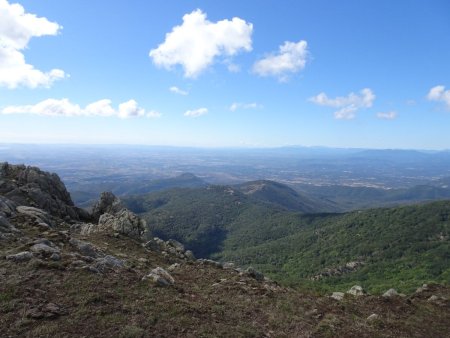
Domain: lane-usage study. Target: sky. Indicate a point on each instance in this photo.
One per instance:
(371, 74)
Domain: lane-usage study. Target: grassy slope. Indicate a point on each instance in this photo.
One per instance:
(119, 304)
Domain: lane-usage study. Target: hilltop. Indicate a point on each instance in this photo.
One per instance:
(68, 272)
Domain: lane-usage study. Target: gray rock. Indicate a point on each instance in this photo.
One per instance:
(43, 249)
(55, 257)
(29, 186)
(20, 257)
(356, 290)
(160, 277)
(108, 203)
(6, 226)
(39, 215)
(250, 271)
(86, 248)
(106, 263)
(124, 222)
(338, 295)
(189, 255)
(175, 244)
(390, 293)
(7, 207)
(423, 288)
(228, 265)
(155, 244)
(173, 267)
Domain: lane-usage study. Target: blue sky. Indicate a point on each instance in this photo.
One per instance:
(234, 73)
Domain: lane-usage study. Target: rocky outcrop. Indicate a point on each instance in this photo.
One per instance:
(170, 247)
(108, 203)
(124, 222)
(30, 186)
(7, 209)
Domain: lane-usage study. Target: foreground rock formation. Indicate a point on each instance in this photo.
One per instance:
(66, 272)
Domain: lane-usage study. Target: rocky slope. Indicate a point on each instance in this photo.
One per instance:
(68, 273)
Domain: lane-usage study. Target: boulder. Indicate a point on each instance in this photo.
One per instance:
(175, 244)
(251, 272)
(85, 248)
(124, 222)
(20, 257)
(160, 277)
(44, 249)
(189, 255)
(108, 262)
(356, 290)
(390, 293)
(39, 215)
(337, 295)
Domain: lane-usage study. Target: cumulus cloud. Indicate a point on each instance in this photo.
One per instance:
(178, 91)
(290, 59)
(237, 105)
(387, 115)
(16, 29)
(438, 93)
(63, 107)
(197, 42)
(196, 112)
(349, 105)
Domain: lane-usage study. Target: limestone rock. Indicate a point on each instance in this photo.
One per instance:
(30, 186)
(124, 222)
(356, 290)
(337, 295)
(189, 255)
(108, 203)
(390, 293)
(160, 277)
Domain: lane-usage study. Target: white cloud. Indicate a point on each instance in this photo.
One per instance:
(290, 59)
(16, 30)
(349, 105)
(236, 105)
(197, 42)
(387, 115)
(196, 112)
(179, 91)
(63, 107)
(438, 93)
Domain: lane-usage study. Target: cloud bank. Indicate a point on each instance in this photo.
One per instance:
(197, 42)
(63, 107)
(16, 29)
(349, 105)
